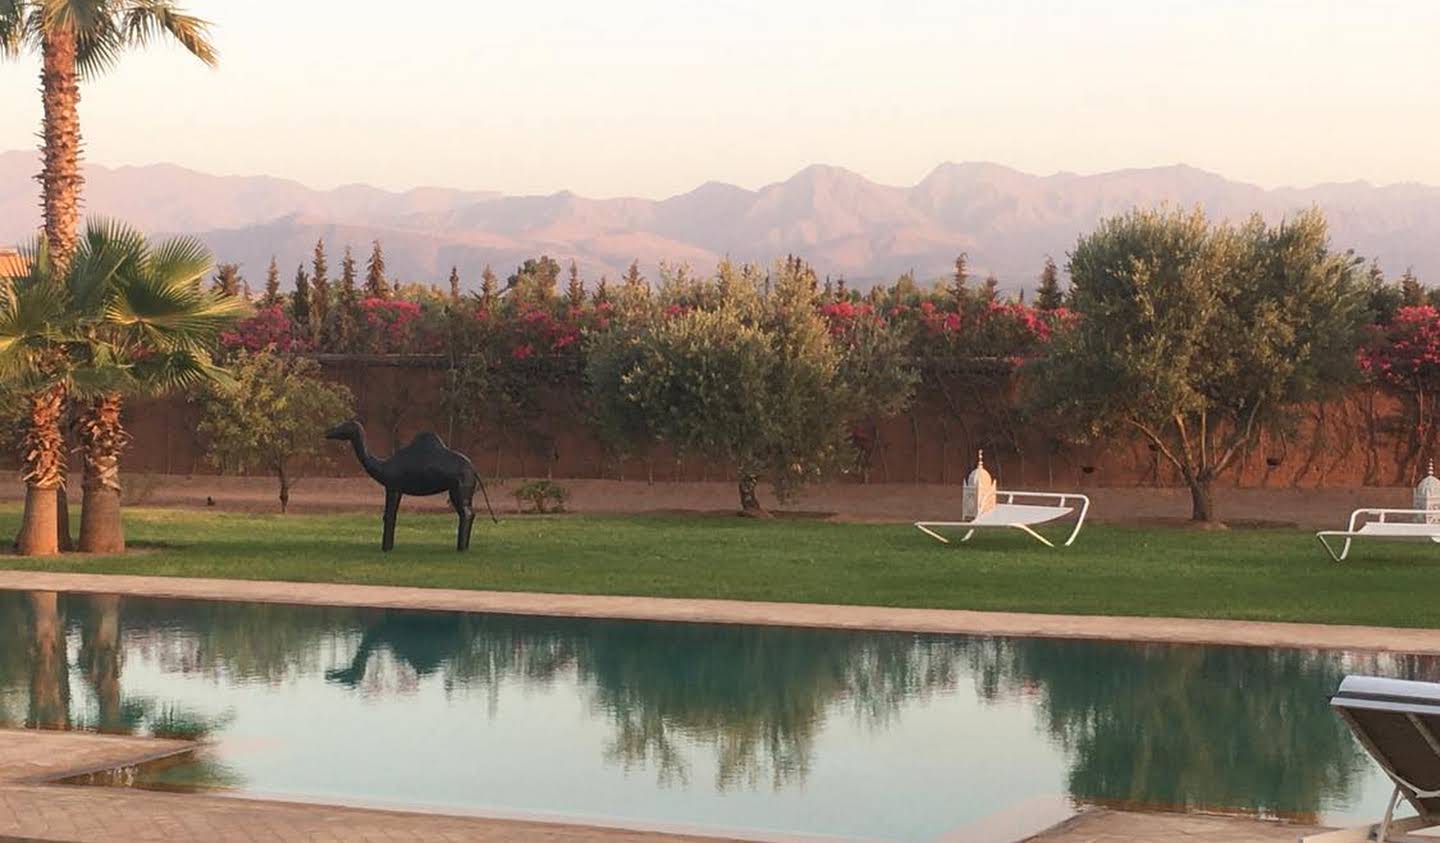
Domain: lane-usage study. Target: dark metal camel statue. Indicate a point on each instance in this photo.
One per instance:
(424, 467)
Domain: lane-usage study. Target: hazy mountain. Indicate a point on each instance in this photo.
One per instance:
(842, 222)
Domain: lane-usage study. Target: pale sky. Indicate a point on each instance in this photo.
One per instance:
(652, 97)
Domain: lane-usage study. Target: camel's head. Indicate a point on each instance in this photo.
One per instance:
(345, 430)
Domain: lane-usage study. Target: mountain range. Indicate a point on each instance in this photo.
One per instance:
(1007, 221)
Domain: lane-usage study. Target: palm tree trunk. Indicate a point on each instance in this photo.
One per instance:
(102, 438)
(43, 458)
(60, 182)
(60, 179)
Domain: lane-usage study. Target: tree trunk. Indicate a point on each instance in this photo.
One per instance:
(284, 490)
(43, 453)
(1202, 502)
(62, 520)
(102, 438)
(60, 179)
(37, 526)
(749, 502)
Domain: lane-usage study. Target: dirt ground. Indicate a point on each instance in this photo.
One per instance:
(1308, 508)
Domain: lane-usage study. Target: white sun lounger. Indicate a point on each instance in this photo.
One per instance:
(1387, 524)
(1008, 514)
(1398, 723)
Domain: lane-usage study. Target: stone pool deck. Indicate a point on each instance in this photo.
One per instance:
(1116, 826)
(956, 621)
(31, 809)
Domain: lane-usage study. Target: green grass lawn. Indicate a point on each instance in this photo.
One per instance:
(1251, 574)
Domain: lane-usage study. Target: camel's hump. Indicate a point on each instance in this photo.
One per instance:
(427, 440)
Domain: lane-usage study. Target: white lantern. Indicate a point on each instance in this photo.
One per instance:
(979, 492)
(1427, 495)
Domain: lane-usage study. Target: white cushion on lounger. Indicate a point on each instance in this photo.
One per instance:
(1005, 514)
(1398, 528)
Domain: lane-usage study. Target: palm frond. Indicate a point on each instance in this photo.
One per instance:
(180, 260)
(99, 378)
(163, 306)
(109, 252)
(14, 27)
(148, 20)
(178, 370)
(98, 48)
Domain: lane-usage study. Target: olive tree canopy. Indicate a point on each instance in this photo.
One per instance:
(1195, 336)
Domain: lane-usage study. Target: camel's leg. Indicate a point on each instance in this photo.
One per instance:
(462, 499)
(392, 508)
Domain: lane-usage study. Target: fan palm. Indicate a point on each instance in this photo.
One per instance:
(146, 327)
(35, 363)
(125, 318)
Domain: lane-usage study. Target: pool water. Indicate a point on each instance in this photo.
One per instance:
(876, 736)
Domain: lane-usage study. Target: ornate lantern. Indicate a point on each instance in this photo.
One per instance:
(979, 492)
(1427, 495)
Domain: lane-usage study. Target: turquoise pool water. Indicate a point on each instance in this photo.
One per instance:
(759, 730)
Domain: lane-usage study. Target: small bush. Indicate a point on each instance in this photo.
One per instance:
(543, 496)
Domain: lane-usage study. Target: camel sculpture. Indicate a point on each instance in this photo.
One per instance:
(424, 467)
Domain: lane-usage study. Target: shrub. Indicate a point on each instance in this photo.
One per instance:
(543, 496)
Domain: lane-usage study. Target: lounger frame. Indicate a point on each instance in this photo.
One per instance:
(1060, 499)
(1382, 516)
(1389, 829)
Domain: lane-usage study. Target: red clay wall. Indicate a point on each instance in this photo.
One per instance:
(1356, 441)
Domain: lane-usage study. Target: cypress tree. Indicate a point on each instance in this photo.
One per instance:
(376, 285)
(1411, 289)
(489, 292)
(576, 290)
(347, 312)
(272, 284)
(633, 280)
(1049, 296)
(454, 284)
(602, 290)
(841, 292)
(227, 279)
(960, 280)
(300, 302)
(320, 295)
(991, 292)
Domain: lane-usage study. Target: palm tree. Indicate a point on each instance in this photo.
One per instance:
(34, 364)
(145, 328)
(79, 40)
(123, 318)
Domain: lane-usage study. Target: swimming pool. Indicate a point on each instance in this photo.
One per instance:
(878, 736)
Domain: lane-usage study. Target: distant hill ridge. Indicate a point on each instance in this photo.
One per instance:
(844, 224)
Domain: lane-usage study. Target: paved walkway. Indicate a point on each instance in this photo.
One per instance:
(32, 810)
(1164, 630)
(29, 809)
(1121, 827)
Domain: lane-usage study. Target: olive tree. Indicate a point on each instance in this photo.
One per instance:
(1197, 336)
(274, 415)
(749, 378)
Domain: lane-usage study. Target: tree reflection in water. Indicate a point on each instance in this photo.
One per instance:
(49, 664)
(1159, 726)
(1185, 727)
